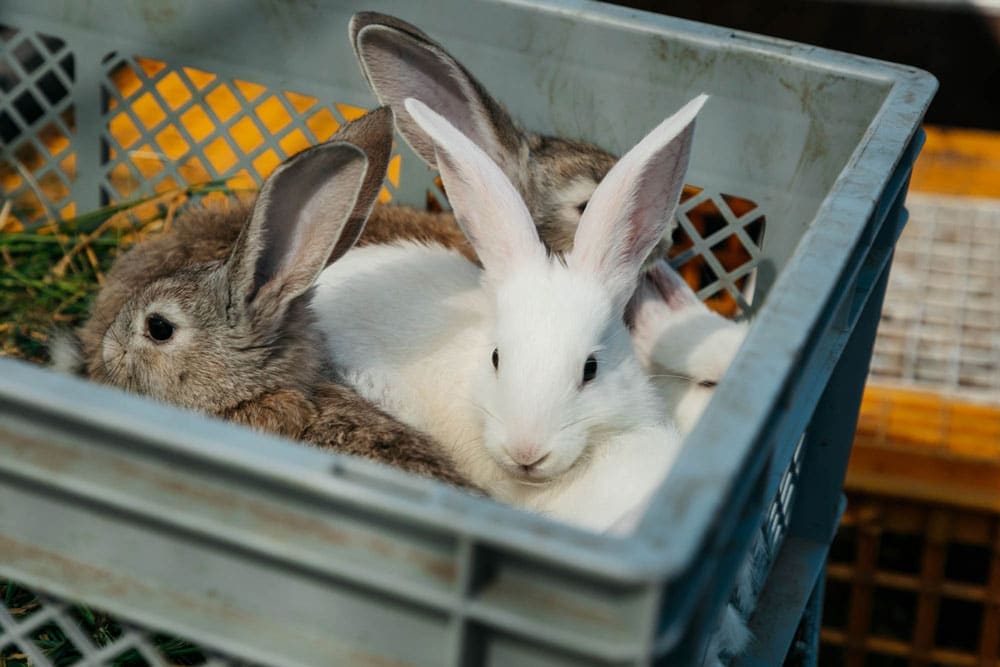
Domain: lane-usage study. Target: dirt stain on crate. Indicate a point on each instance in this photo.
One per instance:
(690, 62)
(817, 140)
(263, 518)
(25, 448)
(158, 11)
(69, 571)
(517, 594)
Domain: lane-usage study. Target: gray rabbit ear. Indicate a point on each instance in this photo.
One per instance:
(372, 133)
(400, 61)
(301, 212)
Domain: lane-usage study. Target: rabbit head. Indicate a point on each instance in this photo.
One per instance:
(561, 373)
(685, 346)
(216, 311)
(555, 177)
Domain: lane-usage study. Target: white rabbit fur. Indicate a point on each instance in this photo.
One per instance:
(682, 344)
(438, 377)
(535, 433)
(686, 348)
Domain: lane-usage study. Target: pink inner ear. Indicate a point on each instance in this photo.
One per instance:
(487, 206)
(631, 208)
(400, 66)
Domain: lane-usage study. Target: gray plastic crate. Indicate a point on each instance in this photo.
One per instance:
(263, 550)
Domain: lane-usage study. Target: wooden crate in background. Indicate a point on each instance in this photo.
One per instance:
(914, 574)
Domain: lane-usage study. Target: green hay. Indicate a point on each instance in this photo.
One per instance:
(35, 299)
(52, 641)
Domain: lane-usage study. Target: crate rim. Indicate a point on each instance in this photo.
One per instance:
(840, 221)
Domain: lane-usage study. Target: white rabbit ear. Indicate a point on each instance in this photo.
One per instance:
(660, 298)
(400, 61)
(487, 207)
(632, 207)
(671, 286)
(301, 212)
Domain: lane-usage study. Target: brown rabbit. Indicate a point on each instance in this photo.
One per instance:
(215, 315)
(554, 176)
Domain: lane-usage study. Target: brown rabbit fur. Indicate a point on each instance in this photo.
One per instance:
(392, 223)
(555, 176)
(233, 284)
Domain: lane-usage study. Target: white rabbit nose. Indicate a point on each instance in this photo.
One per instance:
(526, 454)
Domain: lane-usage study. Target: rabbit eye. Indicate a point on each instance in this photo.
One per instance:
(159, 328)
(707, 383)
(496, 359)
(580, 208)
(590, 369)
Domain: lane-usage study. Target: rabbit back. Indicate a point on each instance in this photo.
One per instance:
(391, 223)
(406, 326)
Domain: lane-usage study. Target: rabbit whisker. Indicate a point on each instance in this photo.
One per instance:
(112, 373)
(676, 376)
(471, 441)
(484, 410)
(587, 418)
(248, 348)
(524, 482)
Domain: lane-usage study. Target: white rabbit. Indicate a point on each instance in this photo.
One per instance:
(686, 348)
(426, 362)
(525, 371)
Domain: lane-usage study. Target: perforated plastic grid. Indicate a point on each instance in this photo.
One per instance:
(168, 125)
(717, 247)
(940, 325)
(38, 163)
(41, 631)
(780, 510)
(768, 539)
(910, 582)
